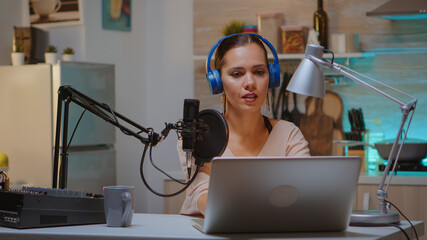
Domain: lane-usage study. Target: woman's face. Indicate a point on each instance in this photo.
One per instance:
(245, 78)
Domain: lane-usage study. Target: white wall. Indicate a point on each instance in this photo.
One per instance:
(11, 14)
(169, 45)
(154, 74)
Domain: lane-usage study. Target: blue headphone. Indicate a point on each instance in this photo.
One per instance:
(214, 77)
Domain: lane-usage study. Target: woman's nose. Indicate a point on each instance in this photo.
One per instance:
(249, 83)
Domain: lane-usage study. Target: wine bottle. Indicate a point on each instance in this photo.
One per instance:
(320, 24)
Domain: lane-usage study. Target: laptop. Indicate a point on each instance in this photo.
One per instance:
(280, 194)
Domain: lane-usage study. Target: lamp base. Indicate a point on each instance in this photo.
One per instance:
(373, 217)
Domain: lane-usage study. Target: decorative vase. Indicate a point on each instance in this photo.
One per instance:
(67, 57)
(50, 57)
(18, 58)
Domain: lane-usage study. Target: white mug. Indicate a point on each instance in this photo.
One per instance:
(45, 7)
(119, 205)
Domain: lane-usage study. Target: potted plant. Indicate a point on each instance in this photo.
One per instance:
(232, 28)
(50, 54)
(18, 55)
(68, 54)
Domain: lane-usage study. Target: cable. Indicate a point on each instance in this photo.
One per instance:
(402, 230)
(333, 55)
(395, 225)
(74, 131)
(160, 170)
(407, 219)
(151, 189)
(187, 184)
(117, 120)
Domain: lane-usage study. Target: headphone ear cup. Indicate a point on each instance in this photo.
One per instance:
(274, 70)
(214, 79)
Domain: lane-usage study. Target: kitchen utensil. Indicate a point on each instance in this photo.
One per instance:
(351, 120)
(286, 115)
(317, 129)
(355, 120)
(274, 103)
(352, 143)
(333, 107)
(362, 120)
(295, 114)
(413, 150)
(358, 119)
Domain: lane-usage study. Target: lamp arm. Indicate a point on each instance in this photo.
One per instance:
(395, 144)
(405, 108)
(346, 72)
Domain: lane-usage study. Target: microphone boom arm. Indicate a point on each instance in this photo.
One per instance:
(66, 95)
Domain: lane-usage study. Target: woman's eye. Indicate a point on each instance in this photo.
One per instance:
(236, 74)
(259, 72)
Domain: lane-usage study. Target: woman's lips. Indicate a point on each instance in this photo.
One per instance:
(250, 97)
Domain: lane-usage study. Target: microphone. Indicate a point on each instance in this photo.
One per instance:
(189, 131)
(204, 134)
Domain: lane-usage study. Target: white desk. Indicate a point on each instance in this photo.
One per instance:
(162, 226)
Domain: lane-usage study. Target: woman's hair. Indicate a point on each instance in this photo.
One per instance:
(237, 40)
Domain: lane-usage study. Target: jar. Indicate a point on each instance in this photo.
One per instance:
(269, 28)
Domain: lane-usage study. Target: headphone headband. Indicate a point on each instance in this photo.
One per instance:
(208, 60)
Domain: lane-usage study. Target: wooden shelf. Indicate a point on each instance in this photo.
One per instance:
(326, 55)
(299, 56)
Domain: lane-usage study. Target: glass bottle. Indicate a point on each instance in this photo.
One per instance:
(320, 24)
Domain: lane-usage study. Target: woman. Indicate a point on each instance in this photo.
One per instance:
(243, 66)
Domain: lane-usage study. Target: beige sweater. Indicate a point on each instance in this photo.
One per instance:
(285, 139)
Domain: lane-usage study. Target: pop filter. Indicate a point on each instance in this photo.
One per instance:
(213, 141)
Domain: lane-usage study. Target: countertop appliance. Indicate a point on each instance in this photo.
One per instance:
(28, 102)
(32, 207)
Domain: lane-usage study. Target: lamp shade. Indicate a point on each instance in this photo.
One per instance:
(308, 80)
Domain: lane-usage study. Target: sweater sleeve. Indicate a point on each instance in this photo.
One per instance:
(297, 145)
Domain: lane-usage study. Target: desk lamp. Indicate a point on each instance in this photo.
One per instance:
(308, 80)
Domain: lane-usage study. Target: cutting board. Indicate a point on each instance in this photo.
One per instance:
(317, 128)
(333, 107)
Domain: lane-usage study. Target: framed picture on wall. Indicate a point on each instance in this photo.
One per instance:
(50, 13)
(116, 15)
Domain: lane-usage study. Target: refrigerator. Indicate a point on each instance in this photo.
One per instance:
(28, 109)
